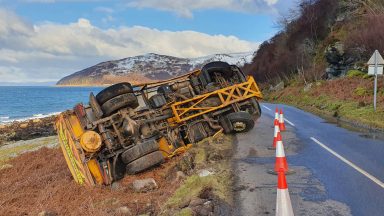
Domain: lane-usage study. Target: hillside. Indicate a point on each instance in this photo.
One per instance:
(148, 67)
(318, 60)
(321, 39)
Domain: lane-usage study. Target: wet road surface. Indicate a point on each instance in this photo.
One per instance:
(338, 171)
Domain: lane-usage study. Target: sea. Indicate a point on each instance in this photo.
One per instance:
(19, 103)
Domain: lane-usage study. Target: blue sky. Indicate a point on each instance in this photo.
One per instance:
(56, 34)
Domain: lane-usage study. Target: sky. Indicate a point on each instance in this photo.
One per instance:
(45, 40)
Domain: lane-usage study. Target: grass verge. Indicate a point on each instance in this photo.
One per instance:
(323, 99)
(12, 150)
(213, 155)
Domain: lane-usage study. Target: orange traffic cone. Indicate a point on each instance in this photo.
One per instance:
(281, 161)
(283, 201)
(281, 121)
(277, 113)
(276, 131)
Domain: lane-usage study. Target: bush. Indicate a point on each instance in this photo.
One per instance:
(367, 76)
(361, 91)
(355, 73)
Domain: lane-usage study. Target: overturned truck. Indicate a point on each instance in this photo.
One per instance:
(127, 129)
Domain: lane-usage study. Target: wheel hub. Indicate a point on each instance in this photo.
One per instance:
(239, 126)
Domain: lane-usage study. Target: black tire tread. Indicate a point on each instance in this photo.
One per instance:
(113, 91)
(145, 162)
(139, 150)
(118, 102)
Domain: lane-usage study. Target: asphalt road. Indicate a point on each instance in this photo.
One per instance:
(338, 171)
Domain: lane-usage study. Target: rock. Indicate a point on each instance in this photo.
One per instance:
(186, 164)
(36, 120)
(47, 213)
(115, 186)
(123, 210)
(205, 209)
(180, 176)
(196, 202)
(23, 125)
(308, 87)
(204, 173)
(144, 185)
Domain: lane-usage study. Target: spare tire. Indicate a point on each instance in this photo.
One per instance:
(113, 91)
(118, 102)
(145, 162)
(139, 150)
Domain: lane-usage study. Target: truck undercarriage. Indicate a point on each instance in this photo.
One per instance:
(127, 129)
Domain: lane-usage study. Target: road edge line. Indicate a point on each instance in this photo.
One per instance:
(354, 166)
(266, 107)
(289, 122)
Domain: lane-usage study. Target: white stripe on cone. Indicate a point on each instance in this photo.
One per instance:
(280, 149)
(283, 203)
(277, 115)
(277, 129)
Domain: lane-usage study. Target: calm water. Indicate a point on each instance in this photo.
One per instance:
(24, 102)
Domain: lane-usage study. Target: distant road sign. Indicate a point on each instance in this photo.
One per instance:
(379, 59)
(371, 70)
(375, 68)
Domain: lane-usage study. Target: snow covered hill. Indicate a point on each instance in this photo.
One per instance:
(148, 67)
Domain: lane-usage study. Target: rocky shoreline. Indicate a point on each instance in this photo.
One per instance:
(26, 130)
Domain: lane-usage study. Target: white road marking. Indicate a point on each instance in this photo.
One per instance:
(371, 177)
(266, 107)
(289, 122)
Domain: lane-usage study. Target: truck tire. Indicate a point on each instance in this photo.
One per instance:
(118, 102)
(240, 121)
(219, 67)
(118, 168)
(113, 91)
(145, 162)
(139, 150)
(95, 106)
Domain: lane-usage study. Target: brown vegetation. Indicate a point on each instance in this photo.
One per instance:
(40, 181)
(315, 25)
(292, 50)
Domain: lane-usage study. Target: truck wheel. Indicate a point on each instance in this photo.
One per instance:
(240, 121)
(139, 150)
(118, 102)
(118, 168)
(145, 162)
(211, 68)
(113, 91)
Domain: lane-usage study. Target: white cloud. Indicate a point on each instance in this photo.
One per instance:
(49, 51)
(185, 8)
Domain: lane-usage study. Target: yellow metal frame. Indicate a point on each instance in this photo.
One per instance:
(188, 109)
